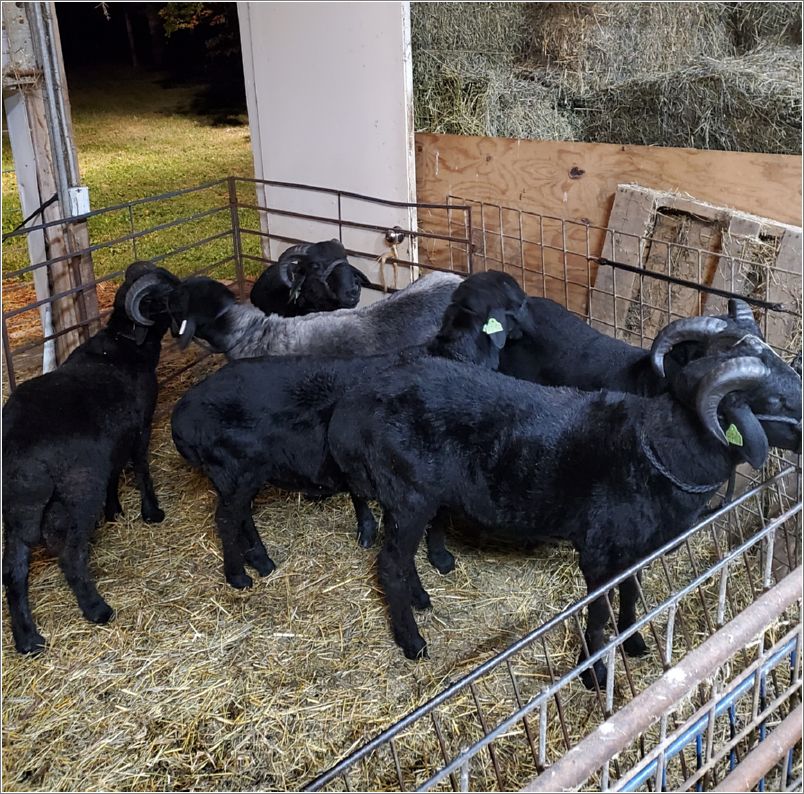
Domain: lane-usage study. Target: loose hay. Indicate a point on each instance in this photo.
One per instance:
(197, 686)
(708, 75)
(601, 44)
(748, 103)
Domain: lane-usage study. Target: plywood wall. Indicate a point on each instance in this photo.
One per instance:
(555, 181)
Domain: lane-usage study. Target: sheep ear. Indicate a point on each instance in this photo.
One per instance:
(361, 276)
(496, 326)
(746, 435)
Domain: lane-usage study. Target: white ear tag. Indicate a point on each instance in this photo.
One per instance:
(182, 327)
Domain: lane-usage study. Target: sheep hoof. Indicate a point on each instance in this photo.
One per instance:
(240, 580)
(635, 645)
(32, 644)
(443, 561)
(366, 536)
(598, 671)
(259, 561)
(154, 516)
(416, 649)
(113, 512)
(99, 612)
(421, 600)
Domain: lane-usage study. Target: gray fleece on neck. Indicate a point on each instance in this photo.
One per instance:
(411, 316)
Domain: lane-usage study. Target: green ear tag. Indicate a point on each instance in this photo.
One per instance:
(733, 436)
(492, 326)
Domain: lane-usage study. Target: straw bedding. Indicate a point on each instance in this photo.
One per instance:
(197, 686)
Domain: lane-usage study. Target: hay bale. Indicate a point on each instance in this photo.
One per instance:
(749, 103)
(495, 31)
(598, 44)
(766, 23)
(466, 94)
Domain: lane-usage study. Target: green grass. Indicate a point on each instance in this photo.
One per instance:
(137, 138)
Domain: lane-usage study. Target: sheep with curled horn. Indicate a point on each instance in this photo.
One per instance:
(310, 277)
(617, 475)
(264, 420)
(557, 348)
(205, 309)
(67, 436)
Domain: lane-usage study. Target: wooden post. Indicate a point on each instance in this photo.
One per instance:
(34, 69)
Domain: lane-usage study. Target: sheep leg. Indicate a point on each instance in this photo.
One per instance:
(595, 636)
(419, 596)
(151, 513)
(394, 559)
(74, 562)
(440, 558)
(629, 592)
(113, 507)
(254, 551)
(229, 520)
(366, 523)
(16, 563)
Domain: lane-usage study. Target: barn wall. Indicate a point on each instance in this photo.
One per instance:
(329, 90)
(577, 181)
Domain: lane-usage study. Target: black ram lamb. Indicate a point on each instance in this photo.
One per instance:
(307, 278)
(67, 436)
(264, 420)
(559, 349)
(617, 475)
(204, 308)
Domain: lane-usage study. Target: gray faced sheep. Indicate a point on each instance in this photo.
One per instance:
(67, 436)
(264, 420)
(617, 475)
(206, 309)
(310, 277)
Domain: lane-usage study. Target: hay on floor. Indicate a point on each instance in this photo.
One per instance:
(198, 686)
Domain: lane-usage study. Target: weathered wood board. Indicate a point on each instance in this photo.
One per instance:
(561, 193)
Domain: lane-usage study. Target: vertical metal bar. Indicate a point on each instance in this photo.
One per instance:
(131, 227)
(236, 241)
(766, 579)
(522, 251)
(502, 237)
(559, 707)
(543, 735)
(721, 598)
(485, 728)
(544, 264)
(671, 624)
(443, 746)
(465, 775)
(470, 263)
(564, 262)
(12, 379)
(398, 768)
(525, 722)
(340, 219)
(612, 655)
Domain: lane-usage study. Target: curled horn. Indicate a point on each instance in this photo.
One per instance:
(284, 260)
(736, 374)
(689, 329)
(741, 312)
(137, 292)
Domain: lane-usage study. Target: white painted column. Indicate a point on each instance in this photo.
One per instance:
(330, 101)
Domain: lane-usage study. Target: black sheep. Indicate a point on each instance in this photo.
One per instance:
(617, 475)
(264, 420)
(311, 277)
(67, 436)
(559, 349)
